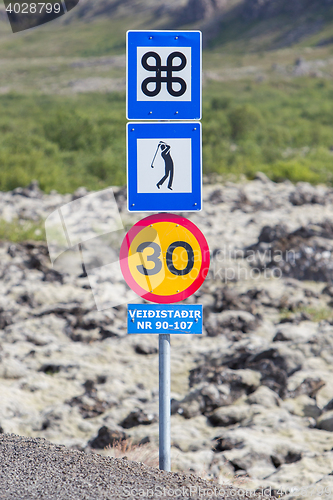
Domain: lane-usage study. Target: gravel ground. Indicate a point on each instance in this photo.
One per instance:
(37, 469)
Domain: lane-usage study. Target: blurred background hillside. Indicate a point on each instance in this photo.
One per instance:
(268, 89)
(252, 398)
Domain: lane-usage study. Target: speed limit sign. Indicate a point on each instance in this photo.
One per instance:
(164, 258)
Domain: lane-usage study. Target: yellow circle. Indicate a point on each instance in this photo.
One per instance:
(147, 258)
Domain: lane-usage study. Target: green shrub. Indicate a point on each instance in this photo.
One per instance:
(282, 128)
(21, 230)
(243, 120)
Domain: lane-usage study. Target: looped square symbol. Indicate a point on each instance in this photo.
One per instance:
(163, 75)
(169, 79)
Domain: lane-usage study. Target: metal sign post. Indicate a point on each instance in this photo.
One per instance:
(164, 401)
(150, 269)
(164, 258)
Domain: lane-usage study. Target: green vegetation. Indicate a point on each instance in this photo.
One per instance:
(22, 230)
(282, 128)
(315, 314)
(255, 117)
(63, 142)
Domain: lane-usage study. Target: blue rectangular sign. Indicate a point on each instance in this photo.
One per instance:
(164, 318)
(164, 167)
(164, 75)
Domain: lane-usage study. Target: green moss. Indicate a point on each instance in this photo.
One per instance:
(315, 314)
(22, 230)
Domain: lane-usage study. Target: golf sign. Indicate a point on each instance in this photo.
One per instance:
(164, 258)
(164, 167)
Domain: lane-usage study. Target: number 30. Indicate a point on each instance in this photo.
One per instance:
(155, 257)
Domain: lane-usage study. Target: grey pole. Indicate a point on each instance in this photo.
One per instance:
(164, 402)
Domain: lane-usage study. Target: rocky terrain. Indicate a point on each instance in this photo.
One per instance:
(269, 8)
(188, 10)
(252, 397)
(303, 18)
(200, 10)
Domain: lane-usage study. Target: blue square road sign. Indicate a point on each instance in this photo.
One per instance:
(164, 75)
(164, 172)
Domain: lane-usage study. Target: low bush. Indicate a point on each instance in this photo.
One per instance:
(281, 128)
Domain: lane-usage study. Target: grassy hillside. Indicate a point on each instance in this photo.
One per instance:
(62, 101)
(282, 129)
(63, 142)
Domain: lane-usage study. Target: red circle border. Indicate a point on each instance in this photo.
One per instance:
(134, 231)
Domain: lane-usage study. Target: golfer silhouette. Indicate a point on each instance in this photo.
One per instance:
(165, 153)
